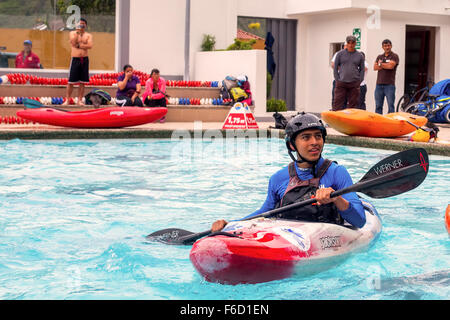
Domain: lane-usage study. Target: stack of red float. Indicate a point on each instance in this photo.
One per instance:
(48, 81)
(108, 79)
(104, 79)
(185, 83)
(13, 120)
(18, 78)
(194, 101)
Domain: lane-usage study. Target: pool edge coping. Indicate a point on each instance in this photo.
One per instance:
(137, 133)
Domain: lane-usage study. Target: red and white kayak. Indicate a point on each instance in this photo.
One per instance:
(447, 219)
(269, 249)
(111, 117)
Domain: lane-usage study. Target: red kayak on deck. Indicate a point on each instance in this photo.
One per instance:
(111, 117)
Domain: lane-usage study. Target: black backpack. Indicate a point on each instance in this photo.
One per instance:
(97, 97)
(280, 121)
(225, 94)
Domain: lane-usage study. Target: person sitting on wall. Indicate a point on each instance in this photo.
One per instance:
(129, 88)
(27, 58)
(155, 91)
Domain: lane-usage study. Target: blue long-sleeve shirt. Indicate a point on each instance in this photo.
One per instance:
(336, 177)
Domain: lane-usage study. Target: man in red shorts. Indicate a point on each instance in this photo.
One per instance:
(80, 42)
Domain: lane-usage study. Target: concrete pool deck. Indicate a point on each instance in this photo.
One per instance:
(167, 130)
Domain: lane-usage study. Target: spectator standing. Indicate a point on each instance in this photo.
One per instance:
(344, 46)
(26, 58)
(363, 86)
(129, 88)
(80, 42)
(348, 73)
(386, 65)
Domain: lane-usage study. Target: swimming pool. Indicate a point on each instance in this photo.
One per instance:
(74, 215)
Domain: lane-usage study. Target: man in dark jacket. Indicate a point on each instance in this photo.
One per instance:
(348, 73)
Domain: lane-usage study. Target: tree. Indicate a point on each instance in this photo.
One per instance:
(88, 7)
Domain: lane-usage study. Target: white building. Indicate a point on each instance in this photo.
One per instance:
(168, 34)
(153, 34)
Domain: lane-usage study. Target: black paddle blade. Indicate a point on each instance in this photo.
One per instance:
(404, 171)
(169, 236)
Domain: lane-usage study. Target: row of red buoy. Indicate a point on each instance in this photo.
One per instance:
(100, 79)
(14, 120)
(21, 78)
(191, 83)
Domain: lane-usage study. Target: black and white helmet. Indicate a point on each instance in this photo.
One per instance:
(299, 123)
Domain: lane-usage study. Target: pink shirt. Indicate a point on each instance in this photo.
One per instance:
(149, 89)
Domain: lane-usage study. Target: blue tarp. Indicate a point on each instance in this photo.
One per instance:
(441, 88)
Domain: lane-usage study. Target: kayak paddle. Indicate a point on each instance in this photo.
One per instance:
(32, 104)
(396, 174)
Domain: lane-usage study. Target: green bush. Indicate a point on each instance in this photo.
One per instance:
(269, 85)
(241, 44)
(276, 105)
(209, 41)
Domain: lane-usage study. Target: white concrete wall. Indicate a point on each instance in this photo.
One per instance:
(411, 6)
(219, 64)
(262, 8)
(157, 35)
(214, 17)
(304, 7)
(157, 29)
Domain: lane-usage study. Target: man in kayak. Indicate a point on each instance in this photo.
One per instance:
(310, 176)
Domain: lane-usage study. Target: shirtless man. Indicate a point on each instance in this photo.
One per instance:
(80, 42)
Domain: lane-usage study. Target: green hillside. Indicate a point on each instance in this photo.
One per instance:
(26, 13)
(33, 7)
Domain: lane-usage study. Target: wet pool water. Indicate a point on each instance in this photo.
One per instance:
(74, 215)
